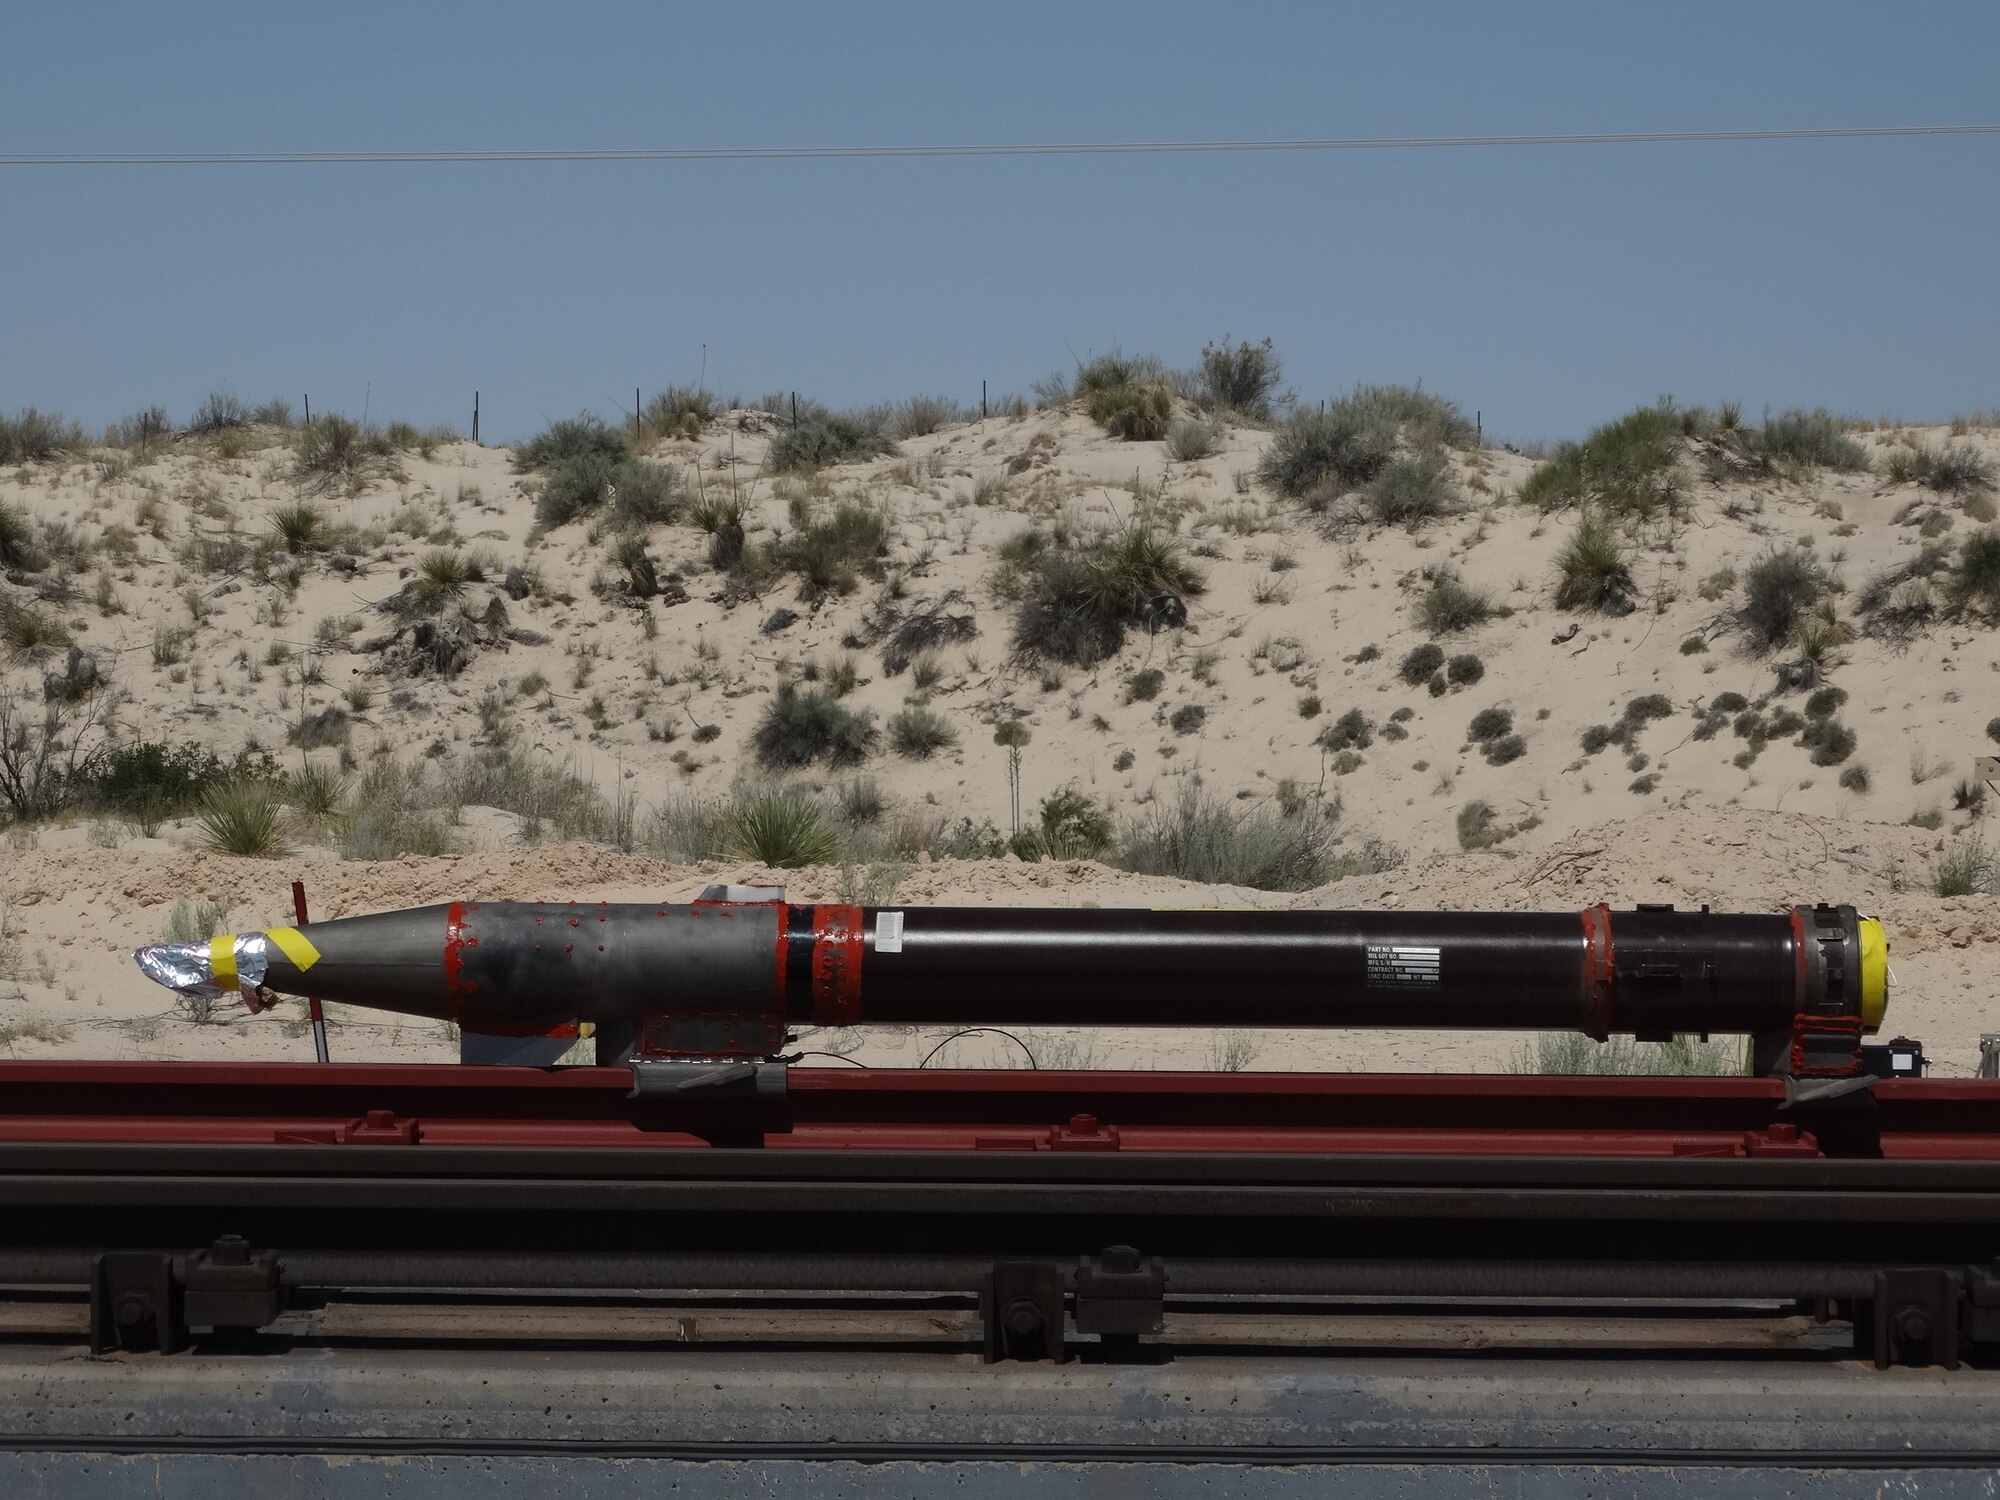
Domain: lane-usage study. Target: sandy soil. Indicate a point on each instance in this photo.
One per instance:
(1287, 612)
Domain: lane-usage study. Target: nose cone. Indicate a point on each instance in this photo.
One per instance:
(230, 964)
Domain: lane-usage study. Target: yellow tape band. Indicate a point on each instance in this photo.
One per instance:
(1874, 973)
(222, 960)
(295, 945)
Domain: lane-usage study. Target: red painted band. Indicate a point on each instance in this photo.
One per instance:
(836, 965)
(458, 989)
(1597, 972)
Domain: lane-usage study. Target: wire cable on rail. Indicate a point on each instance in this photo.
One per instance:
(1073, 148)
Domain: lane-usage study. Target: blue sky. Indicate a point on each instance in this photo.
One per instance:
(1546, 288)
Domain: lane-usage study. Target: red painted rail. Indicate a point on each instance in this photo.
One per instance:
(888, 1110)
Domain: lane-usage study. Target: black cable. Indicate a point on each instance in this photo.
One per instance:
(1033, 1066)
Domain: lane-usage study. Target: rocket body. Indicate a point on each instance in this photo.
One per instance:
(730, 976)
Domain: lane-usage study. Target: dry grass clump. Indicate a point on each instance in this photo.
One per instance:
(802, 727)
(630, 491)
(828, 553)
(680, 411)
(1200, 837)
(1076, 598)
(1630, 467)
(1450, 605)
(336, 452)
(1807, 439)
(32, 436)
(1192, 440)
(1954, 468)
(1569, 1052)
(1413, 490)
(1777, 590)
(829, 438)
(918, 733)
(581, 436)
(1242, 378)
(1591, 571)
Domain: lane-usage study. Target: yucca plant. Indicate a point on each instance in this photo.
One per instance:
(782, 827)
(244, 817)
(317, 794)
(442, 575)
(1591, 568)
(298, 527)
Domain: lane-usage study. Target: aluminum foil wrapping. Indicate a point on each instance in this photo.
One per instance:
(225, 965)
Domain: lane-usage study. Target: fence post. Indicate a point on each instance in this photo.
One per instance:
(309, 408)
(982, 401)
(475, 419)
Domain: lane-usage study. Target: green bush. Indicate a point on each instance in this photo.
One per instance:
(17, 539)
(1189, 441)
(1966, 867)
(35, 437)
(1504, 750)
(1351, 731)
(1631, 467)
(680, 411)
(1074, 826)
(1451, 606)
(800, 728)
(1202, 838)
(1188, 718)
(1322, 454)
(917, 733)
(1810, 439)
(1075, 601)
(828, 439)
(1146, 683)
(1464, 670)
(1951, 469)
(1647, 707)
(244, 818)
(1410, 491)
(827, 552)
(1139, 412)
(1421, 663)
(1777, 589)
(920, 416)
(1856, 779)
(330, 726)
(782, 827)
(1241, 378)
(1973, 584)
(1591, 569)
(637, 491)
(1489, 724)
(1830, 741)
(338, 452)
(568, 438)
(1479, 826)
(1822, 703)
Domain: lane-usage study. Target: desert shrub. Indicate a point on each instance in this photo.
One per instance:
(1145, 684)
(637, 491)
(1597, 736)
(1728, 703)
(1950, 469)
(1479, 825)
(1965, 867)
(1504, 750)
(1451, 606)
(678, 411)
(1811, 439)
(219, 412)
(143, 430)
(580, 436)
(1856, 779)
(151, 780)
(32, 436)
(829, 438)
(1199, 837)
(17, 539)
(1693, 645)
(1973, 584)
(1410, 491)
(1318, 455)
(1464, 670)
(1591, 569)
(316, 793)
(442, 576)
(1309, 706)
(244, 817)
(1074, 826)
(827, 552)
(920, 416)
(1830, 741)
(1822, 703)
(1777, 589)
(338, 452)
(1188, 718)
(1647, 707)
(918, 733)
(1489, 724)
(1137, 412)
(1242, 377)
(330, 726)
(1191, 440)
(300, 528)
(800, 728)
(1075, 601)
(1421, 663)
(782, 827)
(1567, 1052)
(1631, 467)
(28, 633)
(1351, 731)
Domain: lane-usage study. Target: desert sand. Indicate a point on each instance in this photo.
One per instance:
(1289, 606)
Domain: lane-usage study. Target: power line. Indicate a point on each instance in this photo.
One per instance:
(862, 153)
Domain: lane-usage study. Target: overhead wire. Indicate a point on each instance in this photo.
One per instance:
(1004, 149)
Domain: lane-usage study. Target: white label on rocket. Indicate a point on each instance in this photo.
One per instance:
(888, 932)
(1395, 967)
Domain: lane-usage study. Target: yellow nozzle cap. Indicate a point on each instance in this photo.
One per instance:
(1874, 973)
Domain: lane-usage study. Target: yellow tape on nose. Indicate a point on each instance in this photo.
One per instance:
(295, 945)
(222, 960)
